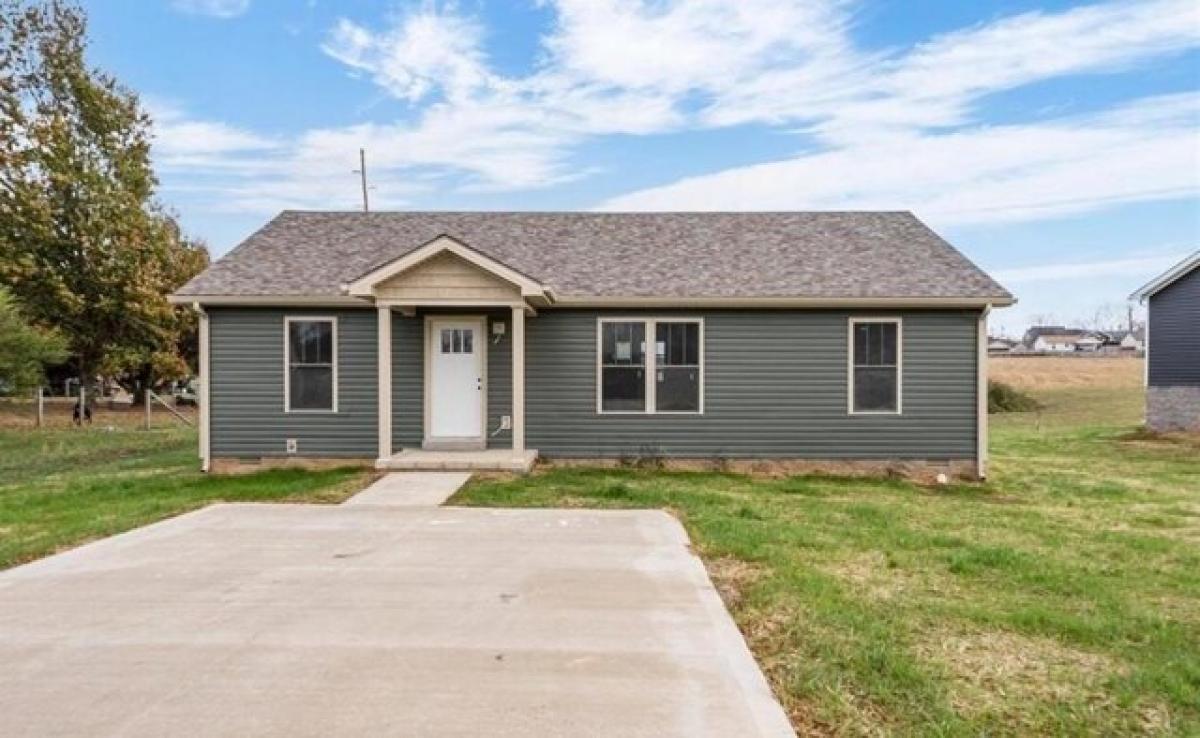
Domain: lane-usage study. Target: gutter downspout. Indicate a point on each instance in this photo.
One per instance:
(205, 372)
(981, 412)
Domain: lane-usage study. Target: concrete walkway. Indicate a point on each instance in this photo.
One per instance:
(308, 620)
(411, 489)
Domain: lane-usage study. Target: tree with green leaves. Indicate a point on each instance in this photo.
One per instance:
(83, 242)
(24, 349)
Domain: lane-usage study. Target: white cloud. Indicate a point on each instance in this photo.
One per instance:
(213, 8)
(423, 52)
(1145, 151)
(179, 138)
(711, 63)
(1147, 265)
(893, 128)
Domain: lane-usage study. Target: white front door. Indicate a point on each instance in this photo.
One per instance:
(456, 374)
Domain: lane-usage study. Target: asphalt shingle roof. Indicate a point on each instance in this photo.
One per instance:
(710, 255)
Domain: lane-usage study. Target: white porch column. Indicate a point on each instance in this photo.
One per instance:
(384, 351)
(518, 379)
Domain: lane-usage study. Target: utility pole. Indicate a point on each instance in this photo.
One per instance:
(362, 172)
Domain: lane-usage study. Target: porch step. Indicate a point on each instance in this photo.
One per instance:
(496, 459)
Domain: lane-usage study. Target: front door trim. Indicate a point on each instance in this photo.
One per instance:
(468, 443)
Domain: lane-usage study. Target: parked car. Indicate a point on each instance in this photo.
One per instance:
(187, 393)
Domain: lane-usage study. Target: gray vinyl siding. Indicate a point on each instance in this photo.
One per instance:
(408, 382)
(775, 385)
(246, 360)
(1175, 334)
(500, 381)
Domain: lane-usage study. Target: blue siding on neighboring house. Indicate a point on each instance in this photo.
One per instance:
(1175, 334)
(775, 385)
(247, 417)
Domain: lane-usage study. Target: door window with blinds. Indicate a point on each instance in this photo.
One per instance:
(650, 365)
(875, 366)
(310, 371)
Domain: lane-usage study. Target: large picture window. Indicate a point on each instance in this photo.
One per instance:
(637, 378)
(310, 372)
(875, 371)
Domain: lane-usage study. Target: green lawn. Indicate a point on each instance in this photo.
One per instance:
(1062, 597)
(60, 488)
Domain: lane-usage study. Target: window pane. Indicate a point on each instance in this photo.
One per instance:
(875, 344)
(678, 389)
(860, 343)
(888, 340)
(310, 342)
(875, 389)
(679, 343)
(311, 388)
(445, 340)
(623, 343)
(623, 388)
(468, 341)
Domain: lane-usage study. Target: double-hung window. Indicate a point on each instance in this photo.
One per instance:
(876, 382)
(635, 378)
(310, 365)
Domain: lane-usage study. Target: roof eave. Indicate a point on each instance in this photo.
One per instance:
(1167, 278)
(269, 300)
(619, 301)
(784, 302)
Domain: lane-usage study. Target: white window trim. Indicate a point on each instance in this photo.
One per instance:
(287, 362)
(899, 364)
(651, 364)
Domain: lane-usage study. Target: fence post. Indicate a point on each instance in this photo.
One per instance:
(146, 401)
(41, 409)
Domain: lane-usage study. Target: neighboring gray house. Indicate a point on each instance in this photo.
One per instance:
(1173, 347)
(482, 340)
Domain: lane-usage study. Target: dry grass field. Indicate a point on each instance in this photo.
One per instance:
(1067, 372)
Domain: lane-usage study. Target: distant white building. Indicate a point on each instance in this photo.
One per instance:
(1058, 343)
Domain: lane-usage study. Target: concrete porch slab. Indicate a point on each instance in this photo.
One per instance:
(411, 489)
(493, 459)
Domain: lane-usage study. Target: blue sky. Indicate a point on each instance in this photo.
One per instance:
(1056, 143)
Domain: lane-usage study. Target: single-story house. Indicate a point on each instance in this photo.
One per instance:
(1000, 345)
(1126, 340)
(1173, 347)
(1066, 342)
(487, 339)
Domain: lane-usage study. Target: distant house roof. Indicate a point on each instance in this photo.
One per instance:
(849, 255)
(1168, 277)
(1138, 334)
(1036, 331)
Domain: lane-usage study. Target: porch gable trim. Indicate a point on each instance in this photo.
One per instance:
(365, 285)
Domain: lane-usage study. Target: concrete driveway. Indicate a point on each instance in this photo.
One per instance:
(294, 620)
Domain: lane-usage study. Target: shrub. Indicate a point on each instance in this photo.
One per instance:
(1004, 398)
